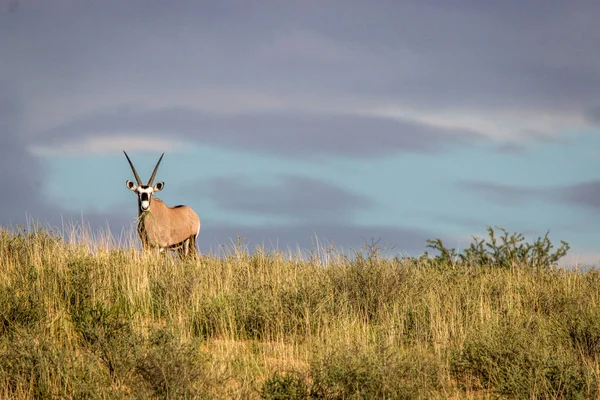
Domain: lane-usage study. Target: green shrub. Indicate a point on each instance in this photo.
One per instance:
(381, 372)
(19, 308)
(505, 251)
(34, 367)
(170, 368)
(357, 373)
(583, 328)
(521, 362)
(285, 387)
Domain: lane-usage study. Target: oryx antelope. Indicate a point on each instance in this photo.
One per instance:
(159, 226)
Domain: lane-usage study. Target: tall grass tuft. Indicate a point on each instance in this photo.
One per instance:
(84, 316)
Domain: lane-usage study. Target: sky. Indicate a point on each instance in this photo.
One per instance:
(294, 122)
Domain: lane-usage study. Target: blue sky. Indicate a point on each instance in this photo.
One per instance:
(348, 120)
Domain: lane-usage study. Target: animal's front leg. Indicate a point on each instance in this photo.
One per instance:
(183, 250)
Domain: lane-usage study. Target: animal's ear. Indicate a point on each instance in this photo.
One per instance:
(130, 185)
(159, 186)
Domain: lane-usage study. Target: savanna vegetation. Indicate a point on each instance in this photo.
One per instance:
(83, 319)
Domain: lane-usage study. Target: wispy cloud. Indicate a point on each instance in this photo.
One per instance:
(291, 134)
(504, 194)
(295, 197)
(584, 194)
(510, 126)
(593, 115)
(106, 143)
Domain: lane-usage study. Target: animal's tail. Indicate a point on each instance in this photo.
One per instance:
(194, 239)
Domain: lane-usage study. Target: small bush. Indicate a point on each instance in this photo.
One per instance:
(378, 373)
(584, 331)
(517, 362)
(356, 373)
(31, 367)
(255, 313)
(110, 335)
(172, 369)
(209, 321)
(505, 251)
(285, 387)
(19, 309)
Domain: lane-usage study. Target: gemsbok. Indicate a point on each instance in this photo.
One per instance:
(159, 226)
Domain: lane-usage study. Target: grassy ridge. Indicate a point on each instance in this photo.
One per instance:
(77, 320)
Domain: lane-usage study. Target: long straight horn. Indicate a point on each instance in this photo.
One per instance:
(137, 177)
(155, 169)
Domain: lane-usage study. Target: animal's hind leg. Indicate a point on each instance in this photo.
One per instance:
(192, 246)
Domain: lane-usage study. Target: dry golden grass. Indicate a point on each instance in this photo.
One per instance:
(84, 316)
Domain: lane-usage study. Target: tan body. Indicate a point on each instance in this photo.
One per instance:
(166, 227)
